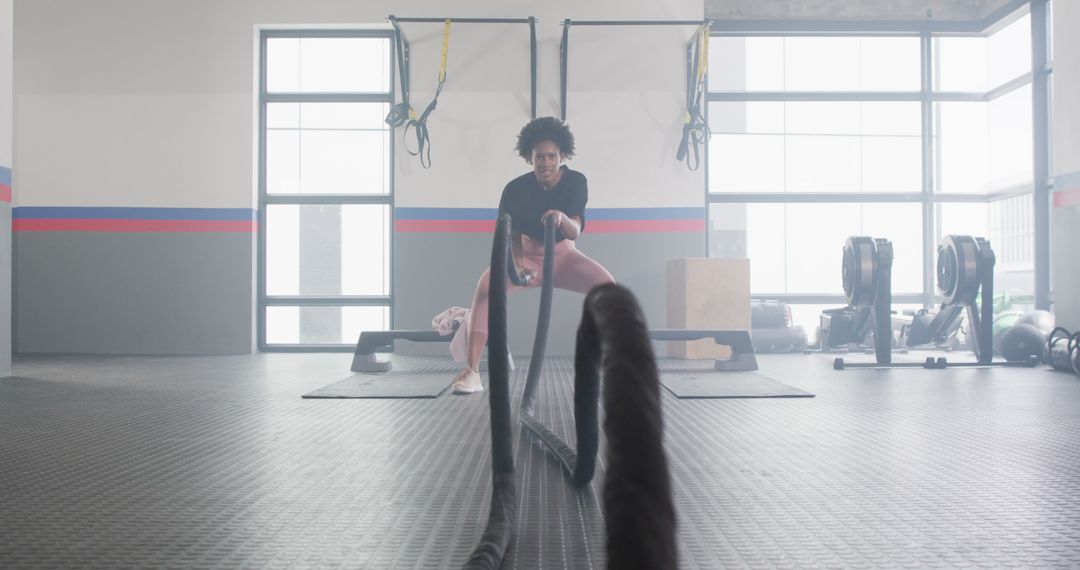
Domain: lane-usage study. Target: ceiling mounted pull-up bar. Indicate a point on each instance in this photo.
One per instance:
(564, 48)
(402, 114)
(639, 22)
(466, 20)
(532, 62)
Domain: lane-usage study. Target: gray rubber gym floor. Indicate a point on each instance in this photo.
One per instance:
(217, 462)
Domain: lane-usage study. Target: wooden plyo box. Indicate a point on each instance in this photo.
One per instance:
(707, 293)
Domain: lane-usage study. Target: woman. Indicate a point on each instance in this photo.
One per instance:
(550, 190)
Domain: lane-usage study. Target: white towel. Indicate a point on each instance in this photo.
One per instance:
(457, 318)
(446, 322)
(450, 320)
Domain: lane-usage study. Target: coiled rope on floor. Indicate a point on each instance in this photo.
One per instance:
(580, 463)
(613, 337)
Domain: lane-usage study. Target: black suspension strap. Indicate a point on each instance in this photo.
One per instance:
(403, 113)
(695, 129)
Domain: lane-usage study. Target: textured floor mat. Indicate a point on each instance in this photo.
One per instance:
(215, 462)
(386, 386)
(727, 385)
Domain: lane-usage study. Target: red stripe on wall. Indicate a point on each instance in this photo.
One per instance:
(5, 193)
(463, 226)
(1067, 198)
(596, 226)
(35, 225)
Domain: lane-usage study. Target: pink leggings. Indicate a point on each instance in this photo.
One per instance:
(574, 271)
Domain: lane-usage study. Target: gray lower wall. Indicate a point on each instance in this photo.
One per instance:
(133, 293)
(434, 271)
(1066, 265)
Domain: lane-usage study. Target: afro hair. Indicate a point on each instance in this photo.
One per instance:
(545, 129)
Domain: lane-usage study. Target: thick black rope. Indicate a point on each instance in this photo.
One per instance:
(543, 319)
(637, 490)
(579, 464)
(493, 543)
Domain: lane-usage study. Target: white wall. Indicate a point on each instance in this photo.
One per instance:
(151, 102)
(6, 61)
(1066, 138)
(1066, 117)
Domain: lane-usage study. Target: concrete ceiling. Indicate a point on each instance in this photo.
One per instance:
(942, 10)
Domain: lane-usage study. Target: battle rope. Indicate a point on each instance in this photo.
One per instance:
(613, 334)
(1063, 350)
(488, 554)
(580, 464)
(695, 129)
(403, 113)
(637, 489)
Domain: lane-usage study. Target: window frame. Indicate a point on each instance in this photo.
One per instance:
(928, 97)
(264, 301)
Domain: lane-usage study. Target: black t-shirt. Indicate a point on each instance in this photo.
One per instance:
(526, 201)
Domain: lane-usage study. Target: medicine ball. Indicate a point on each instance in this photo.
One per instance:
(1023, 341)
(1043, 320)
(1002, 322)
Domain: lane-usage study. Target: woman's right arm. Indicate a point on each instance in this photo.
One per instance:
(515, 246)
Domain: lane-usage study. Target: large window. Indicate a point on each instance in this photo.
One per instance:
(984, 146)
(325, 188)
(815, 146)
(908, 136)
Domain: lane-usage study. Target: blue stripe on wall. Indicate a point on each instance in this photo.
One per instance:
(5, 175)
(92, 213)
(445, 213)
(614, 214)
(643, 214)
(1067, 181)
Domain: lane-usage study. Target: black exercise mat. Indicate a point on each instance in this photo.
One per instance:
(689, 385)
(389, 385)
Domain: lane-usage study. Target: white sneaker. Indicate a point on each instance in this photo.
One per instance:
(468, 382)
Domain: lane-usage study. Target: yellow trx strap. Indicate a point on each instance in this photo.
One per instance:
(445, 48)
(703, 50)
